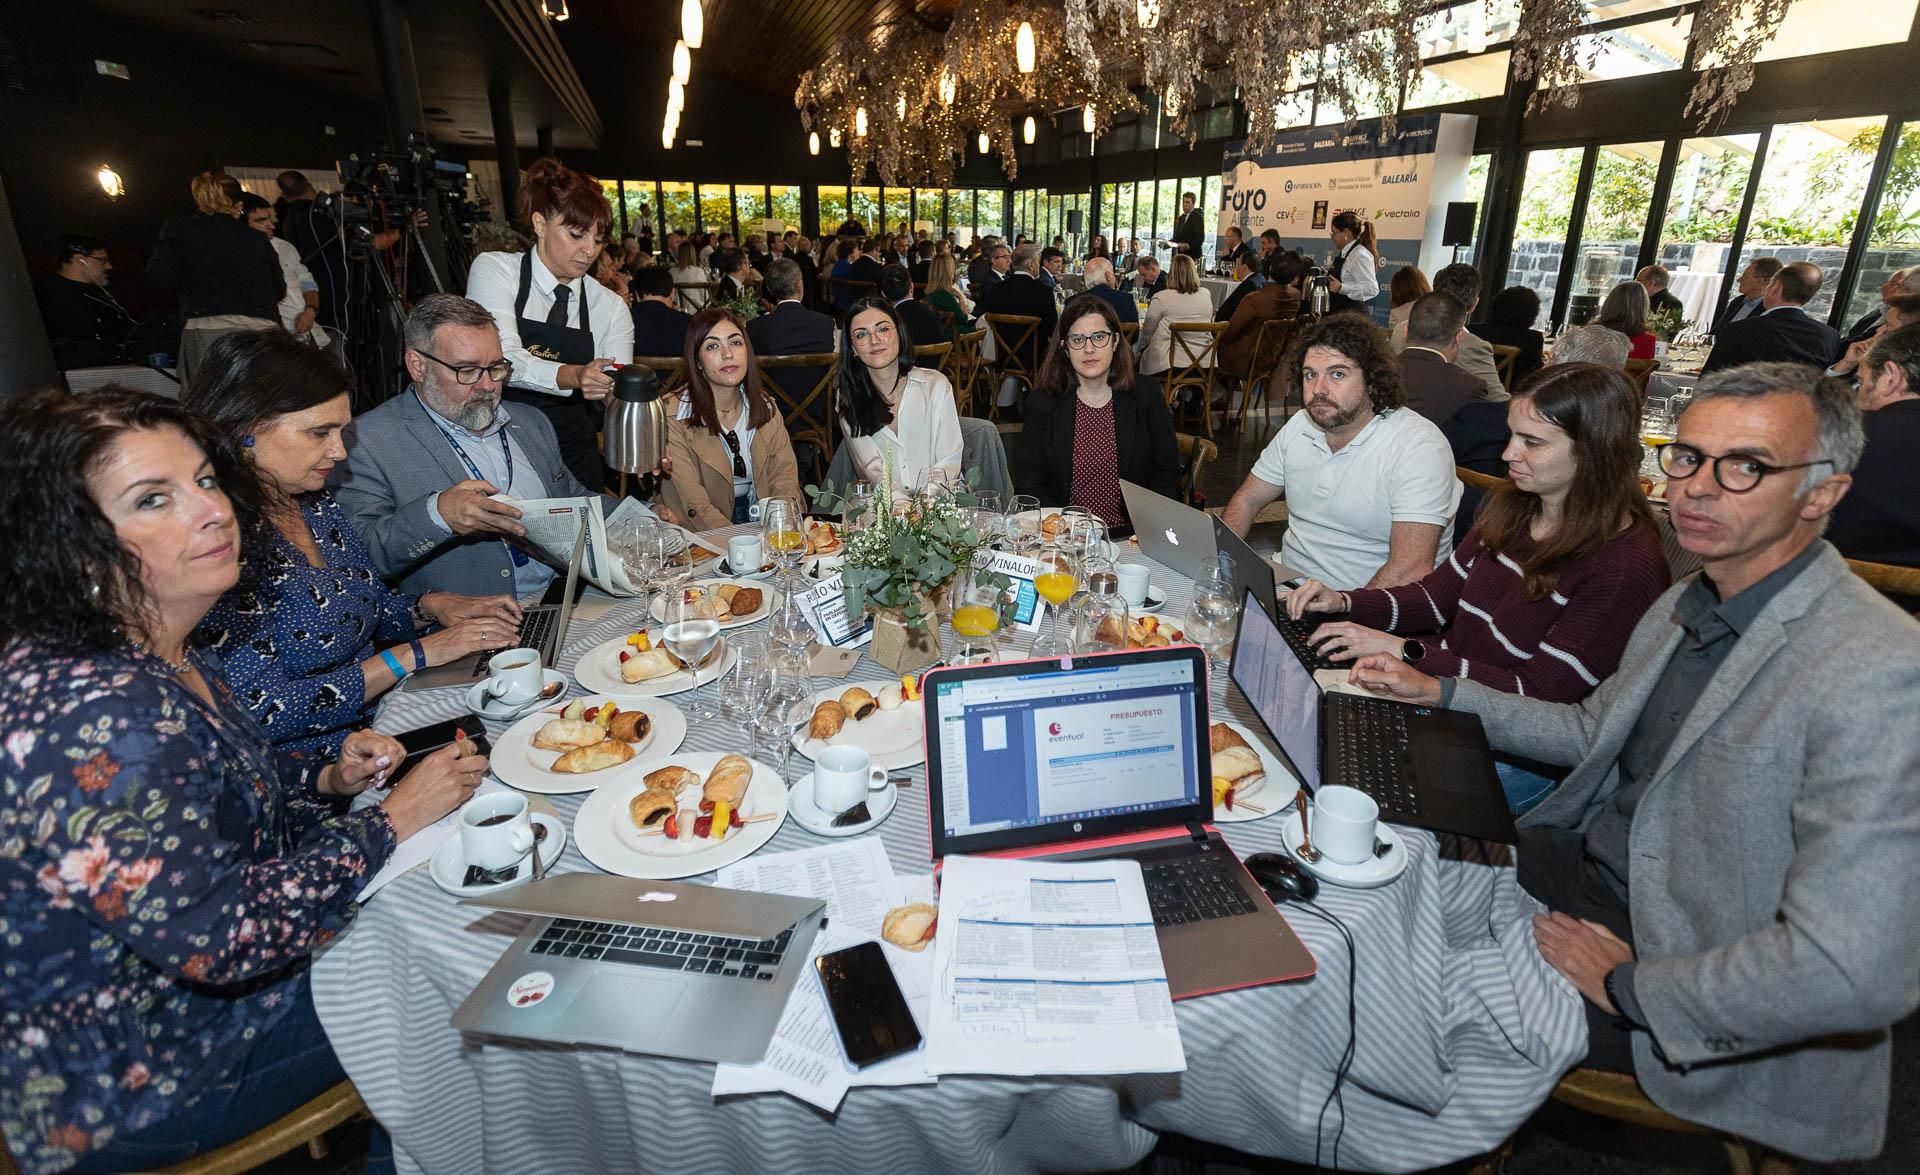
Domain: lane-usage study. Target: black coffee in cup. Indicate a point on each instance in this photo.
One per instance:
(500, 818)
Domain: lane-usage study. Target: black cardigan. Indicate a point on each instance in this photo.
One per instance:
(217, 265)
(1142, 438)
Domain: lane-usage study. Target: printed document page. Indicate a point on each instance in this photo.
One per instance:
(1046, 967)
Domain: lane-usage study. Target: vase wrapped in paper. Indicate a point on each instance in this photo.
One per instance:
(900, 561)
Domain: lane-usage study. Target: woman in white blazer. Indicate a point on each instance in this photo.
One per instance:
(1182, 301)
(889, 408)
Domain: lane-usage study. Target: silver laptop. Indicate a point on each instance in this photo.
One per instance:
(543, 626)
(1170, 532)
(691, 971)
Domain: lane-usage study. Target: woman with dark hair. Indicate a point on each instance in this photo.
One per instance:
(558, 326)
(311, 635)
(1510, 319)
(167, 874)
(224, 275)
(1093, 420)
(1407, 286)
(1541, 595)
(1354, 280)
(1625, 309)
(891, 410)
(726, 440)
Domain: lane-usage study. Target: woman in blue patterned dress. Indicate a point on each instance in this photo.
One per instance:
(165, 873)
(310, 635)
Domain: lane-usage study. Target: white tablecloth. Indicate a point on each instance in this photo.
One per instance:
(1217, 288)
(1463, 1032)
(1699, 293)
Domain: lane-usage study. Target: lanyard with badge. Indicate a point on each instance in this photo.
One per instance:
(519, 557)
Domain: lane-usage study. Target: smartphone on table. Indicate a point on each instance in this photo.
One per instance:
(869, 1012)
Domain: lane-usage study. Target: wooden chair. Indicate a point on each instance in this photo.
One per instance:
(1011, 332)
(1618, 1096)
(694, 296)
(1504, 359)
(926, 351)
(1195, 452)
(1639, 370)
(963, 368)
(1192, 352)
(1473, 494)
(1484, 482)
(948, 323)
(1269, 348)
(304, 1125)
(1131, 331)
(809, 418)
(670, 368)
(1890, 578)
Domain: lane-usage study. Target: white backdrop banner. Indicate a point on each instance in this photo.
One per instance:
(1401, 182)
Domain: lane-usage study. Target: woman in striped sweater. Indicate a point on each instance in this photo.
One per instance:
(1541, 595)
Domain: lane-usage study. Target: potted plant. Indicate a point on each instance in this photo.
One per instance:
(1665, 325)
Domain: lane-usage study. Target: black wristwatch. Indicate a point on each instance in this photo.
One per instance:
(1412, 651)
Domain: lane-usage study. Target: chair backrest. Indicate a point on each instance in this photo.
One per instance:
(1480, 481)
(670, 368)
(854, 290)
(1270, 345)
(947, 322)
(810, 415)
(1638, 370)
(1888, 577)
(1131, 330)
(1192, 353)
(1011, 332)
(1504, 359)
(694, 296)
(963, 366)
(1195, 452)
(1473, 494)
(926, 351)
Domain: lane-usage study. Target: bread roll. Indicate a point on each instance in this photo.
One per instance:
(1053, 525)
(858, 703)
(672, 779)
(1224, 736)
(648, 665)
(828, 718)
(745, 602)
(649, 808)
(564, 734)
(610, 752)
(631, 726)
(724, 593)
(910, 927)
(728, 781)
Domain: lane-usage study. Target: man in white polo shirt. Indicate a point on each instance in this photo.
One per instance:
(1370, 487)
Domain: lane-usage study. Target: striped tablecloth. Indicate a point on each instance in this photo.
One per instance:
(1463, 1030)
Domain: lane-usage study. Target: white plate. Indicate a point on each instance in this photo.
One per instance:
(598, 672)
(769, 597)
(895, 738)
(1276, 791)
(1371, 873)
(1156, 600)
(1034, 517)
(519, 764)
(448, 868)
(819, 822)
(655, 858)
(724, 568)
(488, 708)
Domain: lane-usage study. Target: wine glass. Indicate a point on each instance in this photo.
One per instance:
(646, 555)
(978, 606)
(988, 518)
(856, 509)
(690, 633)
(741, 691)
(1023, 521)
(1058, 579)
(788, 629)
(1101, 623)
(783, 532)
(788, 703)
(1656, 429)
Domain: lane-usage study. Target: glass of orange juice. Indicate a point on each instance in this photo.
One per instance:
(781, 527)
(1057, 580)
(978, 611)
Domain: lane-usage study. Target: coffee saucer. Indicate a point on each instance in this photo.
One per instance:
(819, 821)
(1156, 600)
(1371, 873)
(449, 864)
(491, 709)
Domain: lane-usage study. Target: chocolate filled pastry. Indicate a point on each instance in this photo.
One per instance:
(606, 753)
(645, 666)
(564, 734)
(728, 781)
(671, 779)
(910, 927)
(858, 703)
(631, 726)
(650, 808)
(828, 718)
(1223, 736)
(745, 602)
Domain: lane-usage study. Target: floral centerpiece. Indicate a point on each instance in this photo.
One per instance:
(745, 305)
(1666, 324)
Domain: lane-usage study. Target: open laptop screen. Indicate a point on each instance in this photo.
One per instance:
(1029, 753)
(1280, 689)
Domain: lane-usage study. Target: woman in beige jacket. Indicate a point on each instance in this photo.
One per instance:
(728, 443)
(1182, 301)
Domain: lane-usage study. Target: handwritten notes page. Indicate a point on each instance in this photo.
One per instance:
(1043, 967)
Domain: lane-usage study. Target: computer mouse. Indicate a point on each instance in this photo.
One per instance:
(1282, 877)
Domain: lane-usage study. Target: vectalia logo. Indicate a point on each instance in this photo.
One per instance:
(1401, 177)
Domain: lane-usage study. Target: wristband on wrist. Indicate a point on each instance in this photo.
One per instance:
(393, 664)
(419, 654)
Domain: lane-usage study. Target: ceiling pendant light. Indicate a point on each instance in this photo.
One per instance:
(666, 138)
(1023, 47)
(900, 108)
(985, 142)
(813, 143)
(833, 136)
(1477, 28)
(110, 182)
(1086, 118)
(1148, 13)
(555, 10)
(860, 123)
(682, 63)
(1027, 130)
(949, 87)
(693, 23)
(676, 95)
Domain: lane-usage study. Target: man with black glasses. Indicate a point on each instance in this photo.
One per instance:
(1728, 863)
(85, 324)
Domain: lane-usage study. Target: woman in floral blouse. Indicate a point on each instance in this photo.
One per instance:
(310, 635)
(165, 874)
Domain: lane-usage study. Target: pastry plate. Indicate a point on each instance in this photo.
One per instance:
(598, 671)
(519, 764)
(601, 828)
(769, 597)
(895, 738)
(1276, 791)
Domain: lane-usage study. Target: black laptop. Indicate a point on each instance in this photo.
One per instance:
(1425, 766)
(1252, 573)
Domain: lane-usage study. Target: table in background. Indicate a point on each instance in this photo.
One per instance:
(1464, 1030)
(1218, 288)
(1699, 294)
(127, 375)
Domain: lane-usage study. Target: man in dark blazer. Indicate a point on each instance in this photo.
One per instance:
(659, 327)
(1899, 283)
(1749, 290)
(1655, 279)
(921, 321)
(1784, 331)
(980, 271)
(1245, 272)
(790, 329)
(922, 262)
(1022, 293)
(1100, 279)
(1190, 231)
(1148, 277)
(866, 266)
(1433, 386)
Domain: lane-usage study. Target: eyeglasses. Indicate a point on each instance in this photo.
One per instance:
(468, 374)
(1735, 473)
(1097, 341)
(868, 334)
(733, 442)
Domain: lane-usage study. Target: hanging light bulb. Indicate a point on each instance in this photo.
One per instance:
(1148, 13)
(1023, 47)
(1477, 28)
(555, 10)
(900, 108)
(682, 63)
(693, 23)
(110, 182)
(673, 121)
(985, 142)
(833, 136)
(860, 123)
(1027, 130)
(666, 138)
(949, 87)
(813, 143)
(676, 95)
(1086, 118)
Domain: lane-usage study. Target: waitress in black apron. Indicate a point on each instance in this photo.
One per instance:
(559, 327)
(1355, 281)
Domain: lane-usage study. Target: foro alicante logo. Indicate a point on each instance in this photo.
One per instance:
(1256, 199)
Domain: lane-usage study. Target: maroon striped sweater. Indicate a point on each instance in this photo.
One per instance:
(1557, 648)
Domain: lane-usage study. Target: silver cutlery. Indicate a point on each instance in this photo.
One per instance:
(1306, 849)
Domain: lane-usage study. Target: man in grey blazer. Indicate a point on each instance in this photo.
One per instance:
(422, 468)
(1731, 862)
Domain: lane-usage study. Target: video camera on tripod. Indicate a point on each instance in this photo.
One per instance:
(382, 192)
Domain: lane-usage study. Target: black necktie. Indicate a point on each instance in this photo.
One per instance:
(558, 315)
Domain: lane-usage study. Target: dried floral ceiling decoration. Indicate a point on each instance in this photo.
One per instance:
(964, 82)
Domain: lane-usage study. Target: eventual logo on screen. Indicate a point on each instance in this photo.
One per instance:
(1053, 728)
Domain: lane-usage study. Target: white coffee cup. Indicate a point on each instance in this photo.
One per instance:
(517, 676)
(1133, 582)
(496, 830)
(1344, 820)
(743, 554)
(843, 776)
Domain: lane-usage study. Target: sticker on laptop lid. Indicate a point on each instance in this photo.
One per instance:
(529, 989)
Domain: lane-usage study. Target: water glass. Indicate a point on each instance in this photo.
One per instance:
(690, 633)
(1023, 522)
(788, 705)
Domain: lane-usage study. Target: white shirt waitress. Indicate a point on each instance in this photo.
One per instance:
(1355, 281)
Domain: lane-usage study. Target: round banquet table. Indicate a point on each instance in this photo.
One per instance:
(1463, 1031)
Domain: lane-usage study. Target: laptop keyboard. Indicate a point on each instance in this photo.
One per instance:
(1194, 889)
(536, 625)
(1369, 735)
(1298, 634)
(670, 950)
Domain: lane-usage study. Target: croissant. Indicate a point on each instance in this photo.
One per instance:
(564, 734)
(671, 779)
(728, 781)
(1224, 736)
(910, 927)
(646, 666)
(631, 726)
(606, 753)
(1052, 525)
(828, 718)
(649, 808)
(724, 594)
(858, 703)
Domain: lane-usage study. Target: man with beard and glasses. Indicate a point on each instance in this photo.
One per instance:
(423, 469)
(1370, 488)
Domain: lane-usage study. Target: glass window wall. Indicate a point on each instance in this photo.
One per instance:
(1809, 195)
(898, 210)
(989, 212)
(833, 211)
(1894, 240)
(864, 204)
(1608, 247)
(677, 205)
(1703, 209)
(783, 204)
(1540, 235)
(1827, 26)
(637, 203)
(716, 208)
(750, 208)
